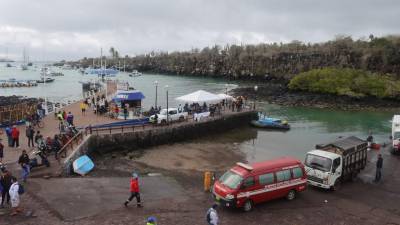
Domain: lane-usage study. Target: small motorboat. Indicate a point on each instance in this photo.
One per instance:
(45, 80)
(83, 165)
(270, 123)
(135, 73)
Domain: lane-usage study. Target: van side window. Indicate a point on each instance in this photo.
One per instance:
(283, 175)
(266, 178)
(297, 172)
(248, 182)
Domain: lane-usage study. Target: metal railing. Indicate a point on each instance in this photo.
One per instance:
(74, 141)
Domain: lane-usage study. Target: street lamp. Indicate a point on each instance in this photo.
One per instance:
(156, 83)
(166, 88)
(255, 97)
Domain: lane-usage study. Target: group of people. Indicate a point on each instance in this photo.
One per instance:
(13, 136)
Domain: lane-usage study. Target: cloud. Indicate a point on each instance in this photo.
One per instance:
(77, 28)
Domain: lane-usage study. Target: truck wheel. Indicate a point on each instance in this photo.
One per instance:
(336, 186)
(354, 176)
(291, 195)
(248, 206)
(181, 119)
(163, 122)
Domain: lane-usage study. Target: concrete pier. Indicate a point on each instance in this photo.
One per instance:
(130, 138)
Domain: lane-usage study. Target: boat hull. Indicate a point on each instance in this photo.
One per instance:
(258, 124)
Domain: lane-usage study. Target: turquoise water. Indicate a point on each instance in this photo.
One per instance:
(310, 126)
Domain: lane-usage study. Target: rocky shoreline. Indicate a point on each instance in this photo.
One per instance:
(278, 93)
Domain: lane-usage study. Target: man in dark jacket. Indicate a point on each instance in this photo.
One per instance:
(29, 134)
(379, 164)
(5, 180)
(24, 162)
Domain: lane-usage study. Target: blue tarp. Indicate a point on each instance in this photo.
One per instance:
(124, 123)
(83, 165)
(128, 96)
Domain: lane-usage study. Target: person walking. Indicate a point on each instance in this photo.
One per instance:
(83, 108)
(379, 164)
(14, 195)
(125, 112)
(212, 215)
(9, 138)
(5, 181)
(70, 119)
(134, 189)
(29, 134)
(1, 151)
(15, 136)
(23, 161)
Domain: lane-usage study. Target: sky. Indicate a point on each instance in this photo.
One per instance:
(73, 29)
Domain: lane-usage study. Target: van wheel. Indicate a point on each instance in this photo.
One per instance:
(336, 186)
(248, 206)
(291, 195)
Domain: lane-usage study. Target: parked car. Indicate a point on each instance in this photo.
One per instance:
(173, 115)
(331, 164)
(245, 185)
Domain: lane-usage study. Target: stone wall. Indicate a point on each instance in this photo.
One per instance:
(147, 138)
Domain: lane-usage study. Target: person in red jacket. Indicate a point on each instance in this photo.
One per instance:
(134, 190)
(15, 136)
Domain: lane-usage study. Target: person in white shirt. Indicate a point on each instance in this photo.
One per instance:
(212, 216)
(14, 196)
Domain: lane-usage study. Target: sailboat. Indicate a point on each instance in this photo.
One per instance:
(24, 65)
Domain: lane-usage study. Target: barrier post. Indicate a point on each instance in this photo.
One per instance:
(207, 181)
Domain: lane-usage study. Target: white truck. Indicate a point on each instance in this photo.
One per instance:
(173, 115)
(396, 134)
(331, 164)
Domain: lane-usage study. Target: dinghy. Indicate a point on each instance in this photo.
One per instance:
(83, 165)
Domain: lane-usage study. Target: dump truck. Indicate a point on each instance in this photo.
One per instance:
(328, 165)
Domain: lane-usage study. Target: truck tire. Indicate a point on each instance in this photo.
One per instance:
(337, 185)
(181, 119)
(291, 195)
(163, 122)
(248, 205)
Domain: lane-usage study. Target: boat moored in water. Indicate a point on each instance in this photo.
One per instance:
(270, 123)
(45, 80)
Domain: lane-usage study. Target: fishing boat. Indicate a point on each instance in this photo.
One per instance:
(45, 80)
(83, 165)
(270, 123)
(135, 73)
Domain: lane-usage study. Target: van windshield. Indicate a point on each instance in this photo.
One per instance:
(318, 162)
(231, 179)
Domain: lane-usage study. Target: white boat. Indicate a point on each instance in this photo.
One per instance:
(45, 80)
(135, 73)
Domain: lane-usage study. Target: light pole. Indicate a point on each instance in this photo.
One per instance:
(255, 97)
(156, 83)
(166, 88)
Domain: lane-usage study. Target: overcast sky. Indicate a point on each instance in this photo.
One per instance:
(72, 29)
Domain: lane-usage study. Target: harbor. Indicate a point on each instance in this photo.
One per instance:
(200, 112)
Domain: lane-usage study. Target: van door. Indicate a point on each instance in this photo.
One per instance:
(267, 184)
(248, 189)
(283, 185)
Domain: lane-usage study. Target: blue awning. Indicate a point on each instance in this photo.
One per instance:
(106, 72)
(129, 96)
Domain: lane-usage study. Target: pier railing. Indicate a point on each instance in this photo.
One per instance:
(73, 142)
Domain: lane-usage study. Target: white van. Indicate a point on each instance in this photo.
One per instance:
(396, 133)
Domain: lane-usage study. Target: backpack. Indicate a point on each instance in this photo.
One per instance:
(21, 189)
(208, 218)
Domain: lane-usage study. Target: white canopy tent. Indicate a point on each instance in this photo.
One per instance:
(200, 96)
(225, 96)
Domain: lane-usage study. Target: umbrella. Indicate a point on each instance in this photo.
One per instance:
(200, 96)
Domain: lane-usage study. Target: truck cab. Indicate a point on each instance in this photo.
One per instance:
(323, 168)
(330, 164)
(396, 134)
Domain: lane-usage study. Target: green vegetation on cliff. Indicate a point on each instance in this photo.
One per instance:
(268, 60)
(350, 82)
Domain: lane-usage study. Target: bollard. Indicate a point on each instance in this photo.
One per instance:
(207, 180)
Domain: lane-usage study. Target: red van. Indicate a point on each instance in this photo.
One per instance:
(245, 185)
